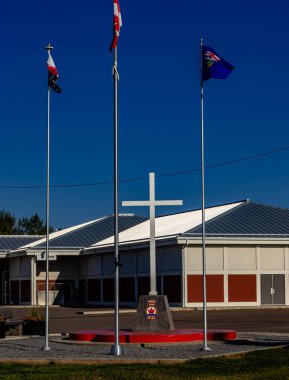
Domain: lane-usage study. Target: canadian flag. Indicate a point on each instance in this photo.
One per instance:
(52, 74)
(117, 23)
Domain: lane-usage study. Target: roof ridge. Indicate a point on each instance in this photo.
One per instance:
(272, 206)
(61, 233)
(243, 201)
(81, 226)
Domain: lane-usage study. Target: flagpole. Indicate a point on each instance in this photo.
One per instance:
(46, 348)
(205, 346)
(116, 348)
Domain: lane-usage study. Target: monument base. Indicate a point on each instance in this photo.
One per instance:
(153, 314)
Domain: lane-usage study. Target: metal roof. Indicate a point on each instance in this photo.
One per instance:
(249, 220)
(167, 226)
(10, 242)
(244, 219)
(87, 234)
(240, 219)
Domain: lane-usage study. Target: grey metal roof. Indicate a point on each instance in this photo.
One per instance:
(249, 219)
(92, 233)
(11, 242)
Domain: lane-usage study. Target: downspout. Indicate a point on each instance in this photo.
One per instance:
(184, 288)
(33, 280)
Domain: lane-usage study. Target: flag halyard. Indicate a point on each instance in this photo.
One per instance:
(53, 75)
(117, 24)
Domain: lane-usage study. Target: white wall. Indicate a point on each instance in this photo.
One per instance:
(227, 259)
(20, 267)
(272, 258)
(63, 267)
(214, 258)
(93, 265)
(242, 258)
(143, 261)
(108, 264)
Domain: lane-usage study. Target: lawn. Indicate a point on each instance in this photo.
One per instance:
(266, 364)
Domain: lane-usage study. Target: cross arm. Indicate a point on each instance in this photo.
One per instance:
(168, 203)
(135, 203)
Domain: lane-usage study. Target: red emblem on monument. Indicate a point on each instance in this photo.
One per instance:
(151, 310)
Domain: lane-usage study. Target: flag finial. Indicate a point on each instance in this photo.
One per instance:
(49, 47)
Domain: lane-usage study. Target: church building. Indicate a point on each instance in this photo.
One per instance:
(247, 260)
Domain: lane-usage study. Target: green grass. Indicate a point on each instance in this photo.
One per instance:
(267, 364)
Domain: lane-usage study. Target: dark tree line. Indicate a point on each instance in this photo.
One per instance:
(9, 225)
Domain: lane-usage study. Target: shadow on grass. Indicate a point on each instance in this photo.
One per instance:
(257, 343)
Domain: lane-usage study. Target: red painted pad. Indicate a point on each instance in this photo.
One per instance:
(128, 336)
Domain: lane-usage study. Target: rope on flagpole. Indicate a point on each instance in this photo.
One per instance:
(115, 72)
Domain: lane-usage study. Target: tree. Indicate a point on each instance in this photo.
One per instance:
(24, 226)
(7, 223)
(32, 226)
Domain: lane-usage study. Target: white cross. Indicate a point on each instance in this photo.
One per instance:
(152, 203)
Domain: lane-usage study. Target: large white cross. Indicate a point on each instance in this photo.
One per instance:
(152, 203)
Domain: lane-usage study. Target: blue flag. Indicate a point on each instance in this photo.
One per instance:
(213, 65)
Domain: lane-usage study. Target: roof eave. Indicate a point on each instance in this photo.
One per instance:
(132, 245)
(17, 253)
(186, 240)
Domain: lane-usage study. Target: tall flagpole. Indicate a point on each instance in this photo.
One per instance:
(49, 47)
(205, 347)
(116, 348)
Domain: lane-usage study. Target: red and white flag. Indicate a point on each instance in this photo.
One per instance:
(52, 74)
(117, 23)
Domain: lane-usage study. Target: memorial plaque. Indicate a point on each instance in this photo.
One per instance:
(153, 314)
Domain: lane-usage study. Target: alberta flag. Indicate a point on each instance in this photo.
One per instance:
(213, 65)
(52, 74)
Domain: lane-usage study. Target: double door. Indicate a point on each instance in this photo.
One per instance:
(272, 289)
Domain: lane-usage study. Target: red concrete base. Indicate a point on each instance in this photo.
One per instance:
(128, 336)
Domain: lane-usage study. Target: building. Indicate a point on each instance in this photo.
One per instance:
(8, 243)
(27, 263)
(247, 252)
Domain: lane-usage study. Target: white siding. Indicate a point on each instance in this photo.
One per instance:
(94, 265)
(194, 258)
(15, 267)
(272, 258)
(143, 261)
(83, 266)
(242, 258)
(172, 259)
(215, 258)
(25, 266)
(108, 264)
(127, 261)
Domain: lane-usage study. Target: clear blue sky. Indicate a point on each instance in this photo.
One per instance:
(159, 107)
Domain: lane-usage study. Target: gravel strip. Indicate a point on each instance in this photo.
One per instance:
(32, 349)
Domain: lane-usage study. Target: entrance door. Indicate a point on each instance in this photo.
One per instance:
(272, 289)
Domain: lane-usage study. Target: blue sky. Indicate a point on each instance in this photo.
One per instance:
(159, 104)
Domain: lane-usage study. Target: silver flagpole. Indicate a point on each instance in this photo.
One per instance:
(205, 347)
(48, 48)
(116, 348)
